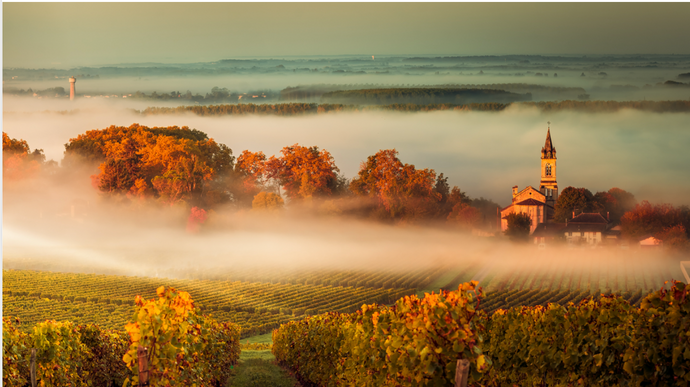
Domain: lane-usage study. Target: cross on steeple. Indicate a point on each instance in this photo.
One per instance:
(549, 122)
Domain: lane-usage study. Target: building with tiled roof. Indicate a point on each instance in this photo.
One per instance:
(586, 228)
(538, 204)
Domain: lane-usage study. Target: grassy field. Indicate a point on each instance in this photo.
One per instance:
(261, 372)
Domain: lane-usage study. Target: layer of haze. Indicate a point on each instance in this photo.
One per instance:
(485, 154)
(40, 35)
(142, 240)
(598, 87)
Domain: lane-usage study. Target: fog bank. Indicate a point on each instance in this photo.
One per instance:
(485, 154)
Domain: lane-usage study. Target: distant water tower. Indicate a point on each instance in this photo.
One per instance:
(72, 81)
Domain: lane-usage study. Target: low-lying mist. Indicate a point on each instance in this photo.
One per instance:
(61, 223)
(483, 153)
(143, 240)
(601, 82)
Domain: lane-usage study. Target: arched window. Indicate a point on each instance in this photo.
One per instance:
(548, 169)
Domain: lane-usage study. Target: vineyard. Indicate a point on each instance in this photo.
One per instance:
(596, 273)
(507, 334)
(260, 300)
(600, 341)
(167, 342)
(108, 300)
(507, 299)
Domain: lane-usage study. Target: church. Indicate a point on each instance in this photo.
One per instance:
(538, 204)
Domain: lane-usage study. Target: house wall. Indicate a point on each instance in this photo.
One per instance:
(589, 238)
(536, 213)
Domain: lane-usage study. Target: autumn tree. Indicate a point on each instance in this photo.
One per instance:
(465, 216)
(649, 219)
(248, 177)
(400, 189)
(304, 172)
(675, 238)
(12, 146)
(519, 225)
(267, 201)
(172, 164)
(488, 210)
(197, 217)
(120, 172)
(18, 160)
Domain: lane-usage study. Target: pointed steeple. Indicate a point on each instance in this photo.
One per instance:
(548, 151)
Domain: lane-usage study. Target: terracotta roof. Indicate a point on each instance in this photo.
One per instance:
(584, 227)
(503, 209)
(548, 229)
(530, 202)
(594, 218)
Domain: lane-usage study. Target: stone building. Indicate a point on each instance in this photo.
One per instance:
(538, 204)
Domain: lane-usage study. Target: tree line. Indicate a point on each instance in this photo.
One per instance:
(612, 106)
(217, 94)
(296, 108)
(49, 92)
(422, 96)
(182, 166)
(299, 108)
(317, 90)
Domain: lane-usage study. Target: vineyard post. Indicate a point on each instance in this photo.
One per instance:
(462, 370)
(142, 354)
(33, 367)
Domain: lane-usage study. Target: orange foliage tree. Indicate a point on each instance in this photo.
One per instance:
(267, 201)
(400, 190)
(649, 219)
(304, 172)
(18, 160)
(173, 164)
(465, 216)
(249, 170)
(675, 238)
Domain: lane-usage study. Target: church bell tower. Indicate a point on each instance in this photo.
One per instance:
(548, 185)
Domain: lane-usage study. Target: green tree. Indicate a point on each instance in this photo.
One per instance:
(571, 200)
(519, 225)
(488, 210)
(625, 201)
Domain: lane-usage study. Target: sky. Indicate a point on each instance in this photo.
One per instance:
(63, 35)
